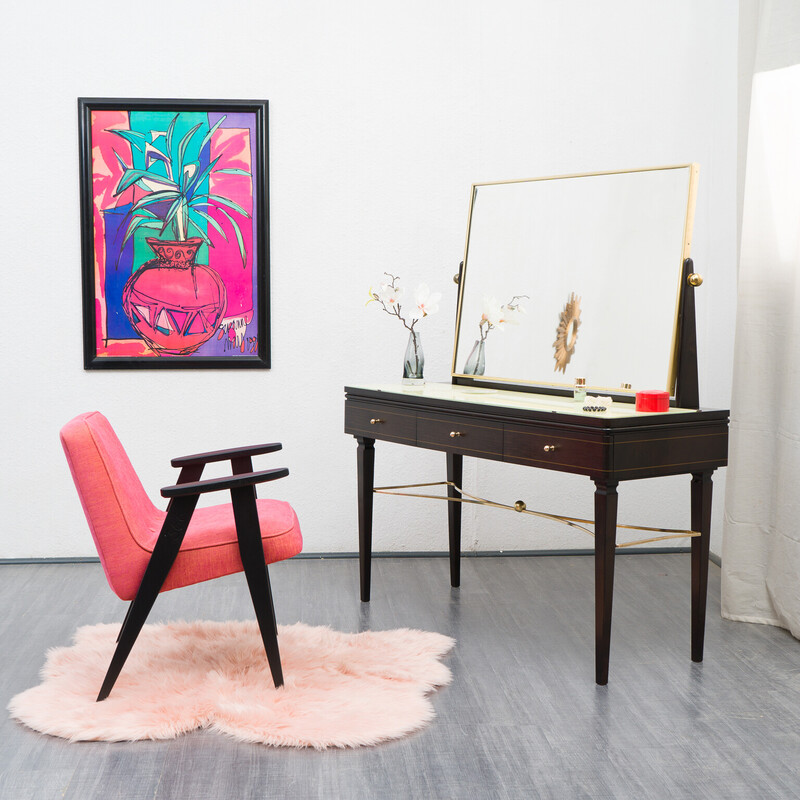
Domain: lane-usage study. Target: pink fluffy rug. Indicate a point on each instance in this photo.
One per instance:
(341, 689)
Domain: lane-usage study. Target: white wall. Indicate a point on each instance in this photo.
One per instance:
(381, 116)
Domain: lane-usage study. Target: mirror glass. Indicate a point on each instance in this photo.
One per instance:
(575, 276)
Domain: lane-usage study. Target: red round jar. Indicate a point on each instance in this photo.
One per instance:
(652, 400)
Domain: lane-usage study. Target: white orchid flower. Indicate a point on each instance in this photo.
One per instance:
(390, 295)
(513, 308)
(511, 314)
(427, 302)
(493, 312)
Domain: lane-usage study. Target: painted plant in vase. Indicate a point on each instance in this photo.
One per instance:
(493, 317)
(391, 298)
(175, 253)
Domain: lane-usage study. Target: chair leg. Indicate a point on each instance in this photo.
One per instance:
(164, 553)
(125, 621)
(251, 549)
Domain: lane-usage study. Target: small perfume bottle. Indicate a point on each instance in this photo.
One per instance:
(579, 390)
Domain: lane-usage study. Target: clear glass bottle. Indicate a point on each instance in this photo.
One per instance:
(414, 361)
(476, 361)
(579, 390)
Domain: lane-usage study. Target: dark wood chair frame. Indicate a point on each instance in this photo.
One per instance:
(183, 497)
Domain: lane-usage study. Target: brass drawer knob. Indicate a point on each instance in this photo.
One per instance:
(549, 448)
(453, 434)
(376, 421)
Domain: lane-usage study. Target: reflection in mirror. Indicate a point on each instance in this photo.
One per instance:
(576, 276)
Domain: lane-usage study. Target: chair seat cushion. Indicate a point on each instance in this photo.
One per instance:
(210, 548)
(214, 525)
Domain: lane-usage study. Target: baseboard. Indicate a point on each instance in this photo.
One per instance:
(409, 554)
(500, 553)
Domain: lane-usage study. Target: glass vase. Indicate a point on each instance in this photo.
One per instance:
(476, 360)
(414, 362)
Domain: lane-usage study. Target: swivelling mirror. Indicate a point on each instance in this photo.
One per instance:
(575, 276)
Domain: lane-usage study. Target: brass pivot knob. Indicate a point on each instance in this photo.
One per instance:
(549, 448)
(695, 279)
(453, 434)
(520, 505)
(376, 421)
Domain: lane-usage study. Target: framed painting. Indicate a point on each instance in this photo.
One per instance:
(174, 233)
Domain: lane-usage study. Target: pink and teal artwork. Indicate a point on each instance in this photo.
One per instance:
(175, 233)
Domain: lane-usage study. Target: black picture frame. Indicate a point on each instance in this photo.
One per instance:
(159, 180)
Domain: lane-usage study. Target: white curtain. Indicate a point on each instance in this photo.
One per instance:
(761, 542)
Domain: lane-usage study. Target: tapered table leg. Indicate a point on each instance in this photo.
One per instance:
(366, 481)
(605, 541)
(701, 521)
(455, 464)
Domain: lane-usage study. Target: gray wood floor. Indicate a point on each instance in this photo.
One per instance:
(522, 718)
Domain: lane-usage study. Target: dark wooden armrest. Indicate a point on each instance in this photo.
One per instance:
(224, 455)
(228, 482)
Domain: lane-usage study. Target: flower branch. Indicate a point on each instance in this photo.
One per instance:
(390, 298)
(496, 316)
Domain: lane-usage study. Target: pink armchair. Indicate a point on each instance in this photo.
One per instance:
(145, 551)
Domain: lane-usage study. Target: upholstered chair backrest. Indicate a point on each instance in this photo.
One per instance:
(122, 519)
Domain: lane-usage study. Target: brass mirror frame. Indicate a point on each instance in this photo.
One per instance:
(561, 387)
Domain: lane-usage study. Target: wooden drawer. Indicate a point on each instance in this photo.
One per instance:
(368, 419)
(671, 450)
(446, 432)
(554, 448)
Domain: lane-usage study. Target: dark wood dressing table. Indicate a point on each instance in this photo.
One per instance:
(549, 433)
(608, 241)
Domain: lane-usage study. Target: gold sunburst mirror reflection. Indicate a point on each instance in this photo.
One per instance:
(567, 332)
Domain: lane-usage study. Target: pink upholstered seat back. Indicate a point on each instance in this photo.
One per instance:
(122, 519)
